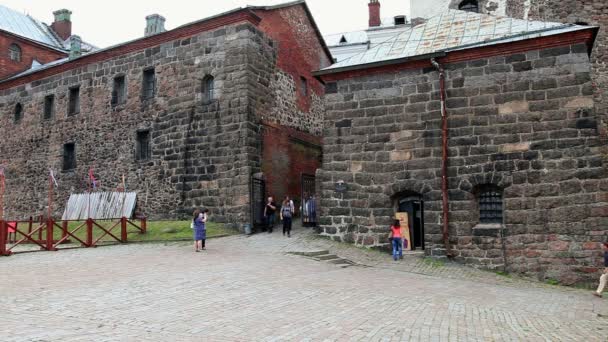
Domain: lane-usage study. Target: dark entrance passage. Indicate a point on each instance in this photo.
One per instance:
(414, 207)
(258, 191)
(309, 201)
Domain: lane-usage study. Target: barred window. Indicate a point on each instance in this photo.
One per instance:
(469, 6)
(119, 91)
(69, 156)
(18, 113)
(208, 89)
(142, 150)
(149, 84)
(14, 52)
(49, 107)
(74, 101)
(490, 204)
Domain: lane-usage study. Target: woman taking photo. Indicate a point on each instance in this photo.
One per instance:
(199, 230)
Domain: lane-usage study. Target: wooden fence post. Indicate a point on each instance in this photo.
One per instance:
(3, 237)
(49, 235)
(123, 229)
(144, 225)
(89, 239)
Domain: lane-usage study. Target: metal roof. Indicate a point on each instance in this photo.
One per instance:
(25, 26)
(453, 30)
(354, 37)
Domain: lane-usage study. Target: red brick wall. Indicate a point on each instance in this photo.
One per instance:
(29, 51)
(288, 154)
(300, 50)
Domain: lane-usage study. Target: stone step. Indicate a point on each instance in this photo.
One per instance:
(326, 257)
(340, 261)
(314, 253)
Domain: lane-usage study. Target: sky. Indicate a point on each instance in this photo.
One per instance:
(108, 22)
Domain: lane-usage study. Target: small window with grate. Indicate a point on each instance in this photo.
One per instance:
(74, 101)
(49, 107)
(14, 52)
(149, 84)
(469, 6)
(208, 89)
(18, 115)
(304, 86)
(69, 156)
(142, 149)
(490, 204)
(119, 91)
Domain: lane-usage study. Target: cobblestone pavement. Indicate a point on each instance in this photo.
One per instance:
(250, 288)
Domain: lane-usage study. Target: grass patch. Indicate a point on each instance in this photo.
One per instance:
(433, 262)
(156, 231)
(552, 281)
(504, 274)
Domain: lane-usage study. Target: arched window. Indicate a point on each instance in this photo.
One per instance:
(490, 204)
(469, 6)
(208, 89)
(14, 52)
(18, 115)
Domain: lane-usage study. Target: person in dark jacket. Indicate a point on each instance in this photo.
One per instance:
(604, 276)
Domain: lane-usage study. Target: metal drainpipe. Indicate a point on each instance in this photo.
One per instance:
(444, 158)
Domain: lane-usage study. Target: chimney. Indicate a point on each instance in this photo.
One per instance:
(62, 24)
(75, 46)
(374, 13)
(155, 23)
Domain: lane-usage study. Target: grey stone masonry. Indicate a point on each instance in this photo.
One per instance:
(524, 123)
(203, 151)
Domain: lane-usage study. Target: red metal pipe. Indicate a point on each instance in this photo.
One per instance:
(444, 158)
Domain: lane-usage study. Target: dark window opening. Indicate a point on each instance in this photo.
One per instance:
(142, 149)
(331, 88)
(490, 204)
(582, 23)
(469, 6)
(49, 104)
(208, 89)
(14, 52)
(69, 156)
(304, 86)
(343, 40)
(119, 91)
(18, 113)
(74, 101)
(400, 20)
(149, 84)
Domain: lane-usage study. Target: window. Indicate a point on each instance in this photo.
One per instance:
(208, 89)
(74, 101)
(14, 52)
(400, 20)
(69, 156)
(142, 149)
(490, 204)
(119, 91)
(469, 6)
(304, 86)
(49, 104)
(343, 40)
(18, 113)
(149, 84)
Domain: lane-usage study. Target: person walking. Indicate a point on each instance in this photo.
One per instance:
(199, 230)
(286, 215)
(270, 213)
(205, 214)
(395, 237)
(604, 276)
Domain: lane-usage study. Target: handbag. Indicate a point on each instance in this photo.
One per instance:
(192, 225)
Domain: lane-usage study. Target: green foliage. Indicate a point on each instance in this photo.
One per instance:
(552, 281)
(433, 262)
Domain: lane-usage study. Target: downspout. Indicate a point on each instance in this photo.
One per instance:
(444, 158)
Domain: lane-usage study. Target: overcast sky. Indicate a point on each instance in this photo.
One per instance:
(108, 22)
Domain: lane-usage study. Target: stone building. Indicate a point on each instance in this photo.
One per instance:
(186, 115)
(519, 183)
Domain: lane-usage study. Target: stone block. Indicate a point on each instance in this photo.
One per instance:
(400, 155)
(514, 107)
(517, 147)
(580, 102)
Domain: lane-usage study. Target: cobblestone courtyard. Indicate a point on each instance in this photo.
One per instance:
(251, 288)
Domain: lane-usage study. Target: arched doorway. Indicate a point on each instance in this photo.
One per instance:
(413, 205)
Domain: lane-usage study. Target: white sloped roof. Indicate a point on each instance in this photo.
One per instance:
(353, 37)
(454, 30)
(25, 26)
